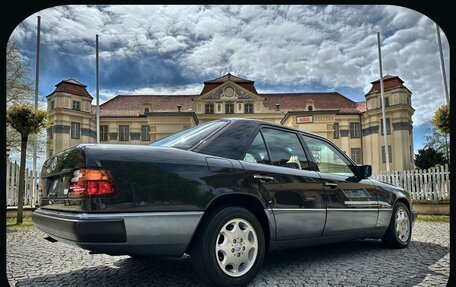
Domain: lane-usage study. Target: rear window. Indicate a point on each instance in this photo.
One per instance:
(188, 138)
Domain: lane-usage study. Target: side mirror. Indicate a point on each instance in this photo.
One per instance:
(364, 171)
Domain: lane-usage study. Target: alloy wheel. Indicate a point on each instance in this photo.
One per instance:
(236, 247)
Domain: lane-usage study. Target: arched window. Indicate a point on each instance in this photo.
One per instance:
(146, 110)
(310, 108)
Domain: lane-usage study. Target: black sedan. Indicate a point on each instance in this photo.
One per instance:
(224, 192)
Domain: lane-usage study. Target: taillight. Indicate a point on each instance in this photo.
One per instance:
(91, 182)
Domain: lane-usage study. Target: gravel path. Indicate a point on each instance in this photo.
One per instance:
(33, 261)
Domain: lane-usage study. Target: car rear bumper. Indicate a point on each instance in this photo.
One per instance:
(141, 233)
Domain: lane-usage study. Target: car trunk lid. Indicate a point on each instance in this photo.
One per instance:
(56, 175)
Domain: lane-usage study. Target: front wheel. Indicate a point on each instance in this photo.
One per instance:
(399, 231)
(230, 248)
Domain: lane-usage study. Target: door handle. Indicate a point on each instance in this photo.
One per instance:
(331, 184)
(263, 177)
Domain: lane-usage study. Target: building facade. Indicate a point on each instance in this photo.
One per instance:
(356, 127)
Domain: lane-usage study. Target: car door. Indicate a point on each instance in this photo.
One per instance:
(258, 173)
(295, 192)
(351, 202)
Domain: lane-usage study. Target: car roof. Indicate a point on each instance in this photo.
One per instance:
(260, 122)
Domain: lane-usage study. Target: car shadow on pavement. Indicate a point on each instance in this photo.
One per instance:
(362, 262)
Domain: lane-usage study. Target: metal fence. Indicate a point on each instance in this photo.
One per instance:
(428, 185)
(12, 185)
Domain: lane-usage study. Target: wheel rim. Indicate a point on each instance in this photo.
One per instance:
(236, 247)
(402, 225)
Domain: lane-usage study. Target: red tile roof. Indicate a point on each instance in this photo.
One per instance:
(72, 86)
(133, 105)
(389, 82)
(291, 102)
(74, 81)
(227, 77)
(212, 84)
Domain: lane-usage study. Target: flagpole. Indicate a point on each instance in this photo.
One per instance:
(98, 91)
(37, 78)
(442, 65)
(383, 103)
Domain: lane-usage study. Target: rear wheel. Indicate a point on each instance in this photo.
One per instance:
(230, 248)
(399, 230)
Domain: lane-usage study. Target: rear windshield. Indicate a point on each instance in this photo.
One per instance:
(188, 138)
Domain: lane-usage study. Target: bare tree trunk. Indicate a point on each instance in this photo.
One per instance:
(20, 196)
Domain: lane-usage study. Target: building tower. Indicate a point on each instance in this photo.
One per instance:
(398, 112)
(69, 107)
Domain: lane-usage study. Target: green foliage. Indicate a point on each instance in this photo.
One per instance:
(429, 157)
(438, 142)
(433, 218)
(25, 119)
(27, 222)
(441, 119)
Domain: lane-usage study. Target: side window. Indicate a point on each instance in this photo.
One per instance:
(328, 158)
(257, 152)
(285, 149)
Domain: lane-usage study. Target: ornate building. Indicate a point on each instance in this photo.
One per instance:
(356, 127)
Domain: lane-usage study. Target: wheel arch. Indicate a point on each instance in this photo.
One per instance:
(247, 201)
(404, 201)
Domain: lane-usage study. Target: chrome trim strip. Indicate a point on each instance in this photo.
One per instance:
(141, 214)
(335, 209)
(353, 209)
(76, 216)
(372, 202)
(297, 209)
(384, 203)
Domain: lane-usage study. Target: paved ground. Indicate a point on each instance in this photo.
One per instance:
(33, 261)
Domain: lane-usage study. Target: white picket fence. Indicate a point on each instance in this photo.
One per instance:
(431, 185)
(12, 185)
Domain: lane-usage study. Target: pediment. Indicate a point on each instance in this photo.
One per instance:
(229, 91)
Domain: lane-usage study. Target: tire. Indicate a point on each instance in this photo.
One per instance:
(399, 233)
(229, 249)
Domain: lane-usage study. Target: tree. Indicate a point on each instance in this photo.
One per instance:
(429, 157)
(19, 90)
(26, 121)
(18, 87)
(441, 119)
(13, 140)
(438, 142)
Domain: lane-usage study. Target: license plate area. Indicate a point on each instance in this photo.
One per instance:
(58, 186)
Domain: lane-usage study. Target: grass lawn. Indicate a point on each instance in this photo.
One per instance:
(27, 222)
(433, 218)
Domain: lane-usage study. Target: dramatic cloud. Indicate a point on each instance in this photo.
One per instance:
(191, 89)
(173, 49)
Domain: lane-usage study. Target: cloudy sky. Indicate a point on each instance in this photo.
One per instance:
(174, 49)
